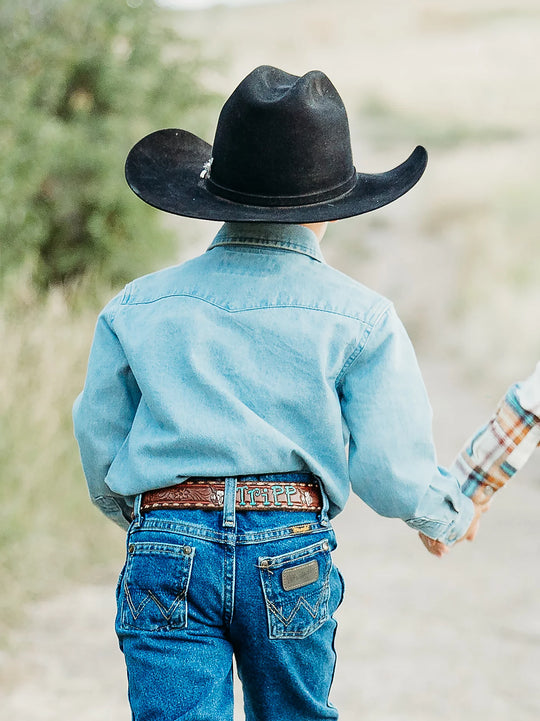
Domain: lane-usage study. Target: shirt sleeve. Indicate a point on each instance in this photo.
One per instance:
(392, 460)
(103, 415)
(528, 392)
(503, 446)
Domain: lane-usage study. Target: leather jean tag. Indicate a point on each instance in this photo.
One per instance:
(300, 576)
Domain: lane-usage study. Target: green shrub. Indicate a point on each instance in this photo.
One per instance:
(82, 80)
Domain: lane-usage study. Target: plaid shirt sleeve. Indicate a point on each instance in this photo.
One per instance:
(499, 449)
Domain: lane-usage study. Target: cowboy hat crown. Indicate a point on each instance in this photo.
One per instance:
(281, 153)
(282, 140)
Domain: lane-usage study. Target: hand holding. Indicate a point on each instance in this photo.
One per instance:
(479, 509)
(439, 549)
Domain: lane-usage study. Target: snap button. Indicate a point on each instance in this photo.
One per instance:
(187, 550)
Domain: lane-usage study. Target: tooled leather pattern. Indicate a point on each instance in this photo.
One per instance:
(210, 495)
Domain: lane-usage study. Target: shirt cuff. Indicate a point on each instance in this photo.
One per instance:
(115, 509)
(460, 513)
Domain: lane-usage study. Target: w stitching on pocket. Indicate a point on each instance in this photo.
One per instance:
(313, 611)
(155, 585)
(298, 612)
(167, 613)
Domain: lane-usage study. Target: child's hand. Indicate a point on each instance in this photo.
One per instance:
(479, 509)
(439, 549)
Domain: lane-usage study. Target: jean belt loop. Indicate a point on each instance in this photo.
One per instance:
(229, 503)
(323, 516)
(137, 516)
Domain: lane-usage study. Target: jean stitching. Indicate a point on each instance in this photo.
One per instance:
(302, 602)
(167, 613)
(179, 529)
(135, 611)
(249, 538)
(301, 553)
(173, 552)
(318, 611)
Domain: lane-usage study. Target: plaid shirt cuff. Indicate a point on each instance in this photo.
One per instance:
(498, 450)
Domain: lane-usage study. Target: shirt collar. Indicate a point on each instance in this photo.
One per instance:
(297, 238)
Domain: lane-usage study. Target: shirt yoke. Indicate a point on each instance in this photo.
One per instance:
(293, 281)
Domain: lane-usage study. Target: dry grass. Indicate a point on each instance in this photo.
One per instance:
(49, 533)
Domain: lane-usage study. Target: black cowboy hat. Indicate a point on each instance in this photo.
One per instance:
(281, 153)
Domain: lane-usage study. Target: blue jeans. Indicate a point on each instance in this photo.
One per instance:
(199, 586)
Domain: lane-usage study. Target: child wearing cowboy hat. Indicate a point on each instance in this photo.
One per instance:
(232, 402)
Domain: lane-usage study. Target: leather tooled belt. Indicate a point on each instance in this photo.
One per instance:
(250, 496)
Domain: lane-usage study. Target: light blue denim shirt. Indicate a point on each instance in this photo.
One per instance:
(258, 357)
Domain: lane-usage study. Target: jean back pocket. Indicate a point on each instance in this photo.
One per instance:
(296, 587)
(153, 592)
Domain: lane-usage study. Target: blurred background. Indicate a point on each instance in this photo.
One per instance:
(82, 81)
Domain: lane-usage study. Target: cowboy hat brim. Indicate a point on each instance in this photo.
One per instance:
(164, 169)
